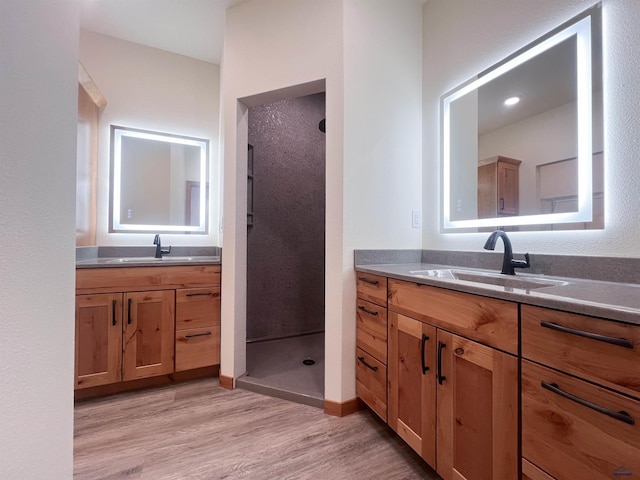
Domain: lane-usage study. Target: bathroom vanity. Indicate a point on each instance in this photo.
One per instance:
(140, 319)
(493, 376)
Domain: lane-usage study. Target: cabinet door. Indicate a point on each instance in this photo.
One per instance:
(477, 395)
(412, 388)
(98, 356)
(149, 332)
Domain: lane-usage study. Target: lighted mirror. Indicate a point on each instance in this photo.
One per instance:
(522, 143)
(158, 182)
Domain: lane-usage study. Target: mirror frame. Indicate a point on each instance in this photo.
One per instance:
(581, 27)
(115, 225)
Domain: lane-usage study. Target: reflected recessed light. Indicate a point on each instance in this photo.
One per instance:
(511, 101)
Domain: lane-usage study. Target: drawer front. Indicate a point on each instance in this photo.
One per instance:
(197, 347)
(570, 440)
(566, 341)
(531, 472)
(371, 382)
(371, 329)
(485, 320)
(197, 307)
(372, 288)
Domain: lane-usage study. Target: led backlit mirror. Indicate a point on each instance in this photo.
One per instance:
(536, 161)
(158, 182)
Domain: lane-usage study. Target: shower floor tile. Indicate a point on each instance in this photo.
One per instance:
(274, 367)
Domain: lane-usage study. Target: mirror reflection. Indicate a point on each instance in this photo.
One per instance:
(522, 142)
(158, 182)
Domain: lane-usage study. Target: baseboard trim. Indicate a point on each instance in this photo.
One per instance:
(149, 382)
(226, 382)
(342, 409)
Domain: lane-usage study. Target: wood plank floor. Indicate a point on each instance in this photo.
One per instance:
(198, 430)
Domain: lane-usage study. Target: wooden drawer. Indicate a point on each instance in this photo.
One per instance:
(531, 472)
(371, 382)
(197, 347)
(372, 288)
(371, 329)
(136, 279)
(570, 440)
(485, 320)
(564, 344)
(197, 307)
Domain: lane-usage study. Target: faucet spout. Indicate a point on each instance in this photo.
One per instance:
(159, 250)
(509, 264)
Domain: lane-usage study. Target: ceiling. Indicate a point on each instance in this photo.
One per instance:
(194, 28)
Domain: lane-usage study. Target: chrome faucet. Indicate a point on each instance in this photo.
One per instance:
(159, 249)
(508, 263)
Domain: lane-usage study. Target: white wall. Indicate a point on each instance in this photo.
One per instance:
(369, 54)
(38, 110)
(463, 37)
(269, 45)
(154, 90)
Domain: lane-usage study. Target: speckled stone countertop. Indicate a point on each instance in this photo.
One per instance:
(611, 300)
(119, 257)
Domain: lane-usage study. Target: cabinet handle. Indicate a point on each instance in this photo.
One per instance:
(365, 310)
(441, 378)
(502, 204)
(621, 342)
(425, 368)
(375, 369)
(129, 312)
(113, 312)
(366, 280)
(191, 335)
(199, 294)
(622, 416)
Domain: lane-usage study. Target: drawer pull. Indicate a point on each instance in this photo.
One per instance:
(191, 335)
(441, 378)
(113, 313)
(365, 310)
(425, 368)
(366, 280)
(199, 294)
(621, 342)
(622, 416)
(375, 369)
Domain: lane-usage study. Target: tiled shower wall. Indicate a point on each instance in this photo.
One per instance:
(285, 264)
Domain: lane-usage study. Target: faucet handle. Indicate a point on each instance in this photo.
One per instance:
(521, 263)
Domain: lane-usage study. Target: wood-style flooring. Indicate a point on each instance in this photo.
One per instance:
(198, 430)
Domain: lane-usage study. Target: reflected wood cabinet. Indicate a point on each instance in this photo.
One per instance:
(498, 187)
(140, 322)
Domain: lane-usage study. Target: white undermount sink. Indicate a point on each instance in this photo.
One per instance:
(523, 282)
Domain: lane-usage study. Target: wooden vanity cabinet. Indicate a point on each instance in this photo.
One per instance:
(126, 322)
(371, 342)
(453, 399)
(98, 345)
(580, 395)
(123, 336)
(197, 328)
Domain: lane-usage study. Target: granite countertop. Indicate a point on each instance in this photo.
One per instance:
(611, 300)
(119, 257)
(165, 261)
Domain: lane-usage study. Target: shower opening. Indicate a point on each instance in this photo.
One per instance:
(286, 249)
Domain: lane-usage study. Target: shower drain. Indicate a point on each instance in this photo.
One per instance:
(308, 361)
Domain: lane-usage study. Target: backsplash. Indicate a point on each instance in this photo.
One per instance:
(609, 269)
